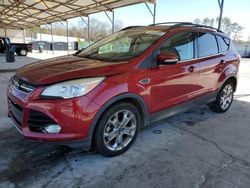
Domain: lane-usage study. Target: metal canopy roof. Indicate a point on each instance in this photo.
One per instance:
(30, 13)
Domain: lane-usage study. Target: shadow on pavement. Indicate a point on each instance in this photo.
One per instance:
(21, 159)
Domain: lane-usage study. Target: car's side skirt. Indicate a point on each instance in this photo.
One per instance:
(183, 107)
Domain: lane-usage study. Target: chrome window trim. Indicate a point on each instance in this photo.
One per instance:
(220, 53)
(198, 58)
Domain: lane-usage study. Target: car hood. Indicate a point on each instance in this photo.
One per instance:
(67, 68)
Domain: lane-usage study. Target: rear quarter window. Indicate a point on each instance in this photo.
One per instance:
(224, 43)
(207, 45)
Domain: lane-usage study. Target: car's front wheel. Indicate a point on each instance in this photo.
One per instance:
(224, 98)
(117, 129)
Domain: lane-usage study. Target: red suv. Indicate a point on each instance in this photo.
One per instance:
(104, 95)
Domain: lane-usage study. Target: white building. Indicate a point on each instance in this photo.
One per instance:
(17, 36)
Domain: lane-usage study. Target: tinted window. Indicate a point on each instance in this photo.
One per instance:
(223, 43)
(181, 44)
(207, 45)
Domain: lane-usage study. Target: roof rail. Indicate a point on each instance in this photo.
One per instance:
(130, 27)
(185, 24)
(169, 23)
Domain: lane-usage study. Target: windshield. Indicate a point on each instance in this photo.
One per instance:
(122, 45)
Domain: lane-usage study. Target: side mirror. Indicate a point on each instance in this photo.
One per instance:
(167, 58)
(79, 51)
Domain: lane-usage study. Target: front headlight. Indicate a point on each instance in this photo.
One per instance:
(73, 88)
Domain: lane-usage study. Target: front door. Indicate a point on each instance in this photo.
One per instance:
(176, 83)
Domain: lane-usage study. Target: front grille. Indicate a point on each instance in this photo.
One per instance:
(22, 85)
(16, 112)
(38, 120)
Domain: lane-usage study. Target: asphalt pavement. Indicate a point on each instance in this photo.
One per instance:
(198, 148)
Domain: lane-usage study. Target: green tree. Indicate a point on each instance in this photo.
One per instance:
(98, 29)
(233, 29)
(208, 22)
(197, 21)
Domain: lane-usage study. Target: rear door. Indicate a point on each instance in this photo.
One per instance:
(177, 83)
(210, 62)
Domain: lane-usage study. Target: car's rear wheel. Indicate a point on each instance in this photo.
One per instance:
(224, 98)
(117, 129)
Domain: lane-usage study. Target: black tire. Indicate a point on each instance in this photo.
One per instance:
(18, 53)
(103, 146)
(217, 106)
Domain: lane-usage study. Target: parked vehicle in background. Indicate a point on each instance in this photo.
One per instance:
(21, 49)
(104, 95)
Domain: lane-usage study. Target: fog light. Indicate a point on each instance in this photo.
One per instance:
(53, 129)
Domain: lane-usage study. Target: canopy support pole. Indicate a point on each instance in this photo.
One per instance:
(67, 27)
(88, 28)
(153, 13)
(221, 6)
(111, 19)
(52, 39)
(40, 34)
(24, 34)
(31, 40)
(5, 32)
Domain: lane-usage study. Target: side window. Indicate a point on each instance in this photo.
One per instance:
(207, 45)
(182, 44)
(223, 43)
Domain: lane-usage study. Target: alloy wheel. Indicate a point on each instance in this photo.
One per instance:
(226, 97)
(119, 130)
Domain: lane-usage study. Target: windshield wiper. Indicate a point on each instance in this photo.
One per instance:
(86, 56)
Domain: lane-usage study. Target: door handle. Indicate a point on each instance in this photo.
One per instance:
(191, 69)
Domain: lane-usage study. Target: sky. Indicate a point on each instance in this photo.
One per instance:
(183, 10)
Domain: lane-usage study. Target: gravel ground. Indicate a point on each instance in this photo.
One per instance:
(193, 149)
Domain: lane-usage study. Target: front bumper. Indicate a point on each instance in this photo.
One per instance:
(30, 114)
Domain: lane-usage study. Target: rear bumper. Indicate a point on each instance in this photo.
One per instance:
(74, 116)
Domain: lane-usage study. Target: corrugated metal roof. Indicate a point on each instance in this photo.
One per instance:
(29, 13)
